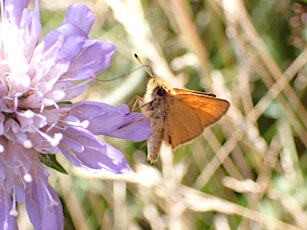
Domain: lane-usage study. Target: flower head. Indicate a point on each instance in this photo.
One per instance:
(37, 79)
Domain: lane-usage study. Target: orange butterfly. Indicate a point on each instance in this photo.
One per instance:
(177, 116)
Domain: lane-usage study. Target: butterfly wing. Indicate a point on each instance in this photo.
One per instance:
(209, 109)
(183, 91)
(188, 115)
(182, 124)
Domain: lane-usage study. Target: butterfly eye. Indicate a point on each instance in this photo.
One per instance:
(161, 91)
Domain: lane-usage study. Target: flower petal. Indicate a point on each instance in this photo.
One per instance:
(95, 57)
(60, 45)
(13, 10)
(7, 221)
(135, 128)
(30, 23)
(43, 205)
(73, 17)
(84, 150)
(112, 121)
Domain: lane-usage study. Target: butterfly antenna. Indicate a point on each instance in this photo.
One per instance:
(147, 68)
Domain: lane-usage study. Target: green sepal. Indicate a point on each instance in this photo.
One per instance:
(51, 161)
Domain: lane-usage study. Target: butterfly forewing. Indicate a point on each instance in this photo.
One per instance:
(180, 129)
(209, 109)
(189, 92)
(188, 115)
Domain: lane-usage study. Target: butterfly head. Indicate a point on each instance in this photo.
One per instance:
(157, 87)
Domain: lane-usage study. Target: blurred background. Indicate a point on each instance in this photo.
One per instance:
(248, 171)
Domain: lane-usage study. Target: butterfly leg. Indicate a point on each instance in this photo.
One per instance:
(135, 103)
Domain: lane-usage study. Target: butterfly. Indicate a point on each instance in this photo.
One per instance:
(177, 116)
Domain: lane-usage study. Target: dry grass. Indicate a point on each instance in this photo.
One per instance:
(246, 172)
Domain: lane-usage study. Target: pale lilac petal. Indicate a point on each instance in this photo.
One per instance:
(74, 40)
(84, 150)
(131, 130)
(96, 57)
(43, 205)
(112, 121)
(41, 144)
(7, 221)
(73, 17)
(61, 45)
(73, 92)
(15, 9)
(102, 117)
(31, 25)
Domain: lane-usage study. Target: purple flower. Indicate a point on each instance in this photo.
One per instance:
(38, 81)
